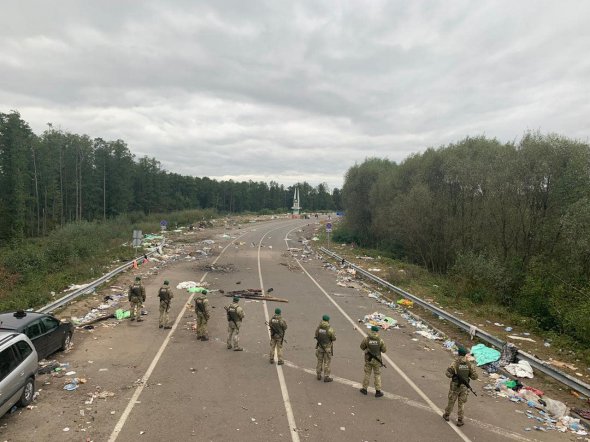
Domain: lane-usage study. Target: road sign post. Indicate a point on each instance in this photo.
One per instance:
(137, 238)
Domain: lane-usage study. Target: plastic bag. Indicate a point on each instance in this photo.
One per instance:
(555, 408)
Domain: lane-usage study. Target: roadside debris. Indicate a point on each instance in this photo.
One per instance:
(255, 294)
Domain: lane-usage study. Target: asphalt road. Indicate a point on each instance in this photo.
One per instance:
(168, 386)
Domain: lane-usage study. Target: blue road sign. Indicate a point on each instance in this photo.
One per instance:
(328, 227)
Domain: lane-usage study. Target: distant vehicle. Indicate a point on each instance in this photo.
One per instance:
(18, 365)
(46, 332)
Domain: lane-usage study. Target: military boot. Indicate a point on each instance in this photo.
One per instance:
(204, 338)
(460, 422)
(238, 349)
(378, 393)
(328, 379)
(445, 417)
(319, 376)
(280, 362)
(363, 391)
(272, 361)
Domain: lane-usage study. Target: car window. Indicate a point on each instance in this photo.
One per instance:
(49, 323)
(33, 330)
(24, 349)
(8, 362)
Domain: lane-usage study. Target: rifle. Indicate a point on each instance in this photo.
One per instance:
(230, 316)
(275, 331)
(461, 381)
(372, 356)
(322, 347)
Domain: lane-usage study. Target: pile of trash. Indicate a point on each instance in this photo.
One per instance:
(549, 414)
(103, 311)
(380, 320)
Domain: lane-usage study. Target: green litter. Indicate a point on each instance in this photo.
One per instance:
(122, 314)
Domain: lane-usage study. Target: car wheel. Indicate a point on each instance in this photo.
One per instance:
(28, 393)
(67, 342)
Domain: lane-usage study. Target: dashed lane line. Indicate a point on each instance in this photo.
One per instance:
(281, 376)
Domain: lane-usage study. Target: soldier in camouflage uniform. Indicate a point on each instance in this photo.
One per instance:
(460, 372)
(202, 311)
(373, 347)
(277, 326)
(165, 295)
(235, 314)
(324, 336)
(136, 297)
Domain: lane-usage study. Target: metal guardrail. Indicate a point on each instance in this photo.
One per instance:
(90, 287)
(535, 362)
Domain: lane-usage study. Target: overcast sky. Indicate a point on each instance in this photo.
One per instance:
(293, 91)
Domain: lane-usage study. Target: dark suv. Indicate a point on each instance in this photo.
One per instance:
(46, 332)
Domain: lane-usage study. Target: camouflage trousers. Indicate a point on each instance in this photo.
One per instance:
(324, 361)
(135, 309)
(164, 314)
(456, 391)
(202, 326)
(278, 344)
(232, 337)
(372, 366)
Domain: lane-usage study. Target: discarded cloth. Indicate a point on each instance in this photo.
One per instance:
(484, 355)
(521, 370)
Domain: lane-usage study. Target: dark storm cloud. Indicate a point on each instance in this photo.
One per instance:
(295, 91)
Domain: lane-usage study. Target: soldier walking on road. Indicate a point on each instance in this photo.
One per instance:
(235, 314)
(278, 326)
(202, 311)
(165, 295)
(325, 336)
(136, 297)
(373, 347)
(460, 372)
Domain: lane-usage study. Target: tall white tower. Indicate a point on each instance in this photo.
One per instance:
(296, 207)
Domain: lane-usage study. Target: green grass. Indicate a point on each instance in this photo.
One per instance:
(76, 253)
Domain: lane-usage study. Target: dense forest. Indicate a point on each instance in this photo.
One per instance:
(510, 223)
(57, 177)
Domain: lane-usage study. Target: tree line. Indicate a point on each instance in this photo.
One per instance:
(58, 177)
(509, 222)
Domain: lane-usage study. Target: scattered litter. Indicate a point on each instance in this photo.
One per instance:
(66, 429)
(380, 320)
(405, 303)
(430, 335)
(520, 338)
(521, 370)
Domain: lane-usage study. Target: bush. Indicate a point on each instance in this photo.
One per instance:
(482, 278)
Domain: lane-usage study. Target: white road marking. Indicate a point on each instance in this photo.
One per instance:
(283, 384)
(387, 358)
(148, 373)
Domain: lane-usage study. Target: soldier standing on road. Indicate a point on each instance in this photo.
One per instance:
(373, 347)
(324, 336)
(278, 326)
(202, 311)
(136, 297)
(235, 314)
(165, 295)
(460, 372)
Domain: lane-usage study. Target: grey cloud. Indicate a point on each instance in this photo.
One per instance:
(303, 89)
